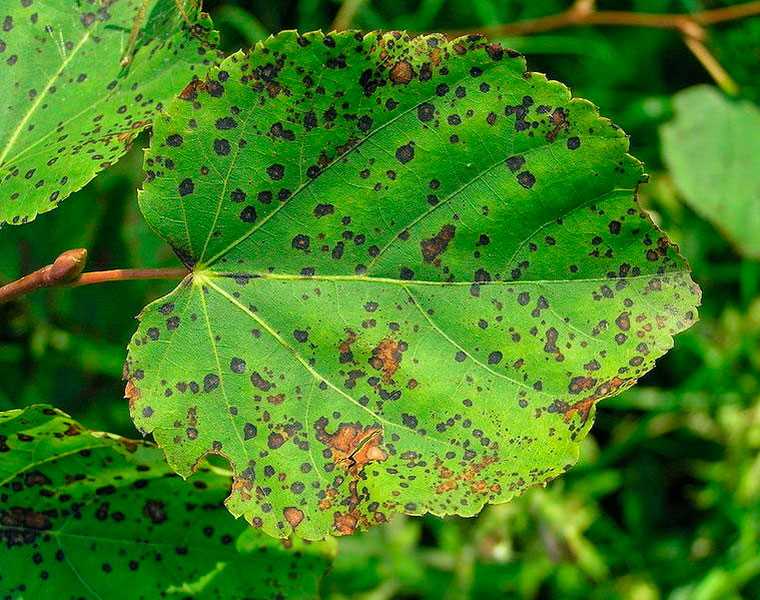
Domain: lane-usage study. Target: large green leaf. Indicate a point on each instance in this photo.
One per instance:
(69, 107)
(712, 149)
(89, 515)
(415, 270)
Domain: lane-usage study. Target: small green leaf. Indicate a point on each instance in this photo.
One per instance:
(70, 107)
(415, 270)
(712, 149)
(86, 513)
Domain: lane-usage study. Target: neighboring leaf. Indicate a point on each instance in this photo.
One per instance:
(415, 270)
(70, 109)
(712, 149)
(83, 514)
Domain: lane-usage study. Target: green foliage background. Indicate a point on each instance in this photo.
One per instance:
(665, 502)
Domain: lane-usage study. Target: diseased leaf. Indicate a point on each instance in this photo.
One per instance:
(83, 514)
(70, 108)
(415, 270)
(713, 153)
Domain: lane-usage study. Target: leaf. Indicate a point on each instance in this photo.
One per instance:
(70, 109)
(712, 151)
(415, 270)
(86, 513)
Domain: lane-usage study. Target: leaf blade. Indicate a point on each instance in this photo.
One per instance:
(95, 511)
(714, 163)
(72, 108)
(409, 291)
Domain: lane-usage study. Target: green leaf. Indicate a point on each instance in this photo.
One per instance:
(415, 270)
(86, 513)
(70, 108)
(713, 153)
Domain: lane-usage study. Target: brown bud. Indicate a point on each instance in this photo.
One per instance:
(67, 267)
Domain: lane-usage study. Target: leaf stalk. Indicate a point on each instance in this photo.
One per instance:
(68, 271)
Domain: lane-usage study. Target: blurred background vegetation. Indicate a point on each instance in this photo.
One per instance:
(665, 502)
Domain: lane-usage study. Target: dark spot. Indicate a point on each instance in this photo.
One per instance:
(405, 153)
(155, 510)
(186, 187)
(221, 147)
(226, 123)
(237, 365)
(301, 242)
(249, 431)
(526, 179)
(276, 171)
(515, 163)
(425, 112)
(322, 210)
(248, 214)
(210, 382)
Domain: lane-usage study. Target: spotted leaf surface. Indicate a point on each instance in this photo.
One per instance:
(70, 106)
(712, 151)
(414, 270)
(84, 514)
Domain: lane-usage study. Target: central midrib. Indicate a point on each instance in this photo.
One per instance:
(412, 282)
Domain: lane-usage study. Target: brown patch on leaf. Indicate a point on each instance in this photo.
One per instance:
(402, 72)
(352, 446)
(468, 477)
(190, 92)
(132, 394)
(345, 523)
(243, 486)
(344, 347)
(435, 56)
(435, 246)
(386, 357)
(293, 516)
(126, 137)
(605, 390)
(21, 525)
(327, 502)
(559, 120)
(581, 384)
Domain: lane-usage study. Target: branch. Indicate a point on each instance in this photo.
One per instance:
(711, 65)
(346, 14)
(582, 13)
(67, 271)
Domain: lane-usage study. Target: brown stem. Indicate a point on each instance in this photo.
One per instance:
(729, 13)
(583, 13)
(346, 14)
(711, 65)
(67, 269)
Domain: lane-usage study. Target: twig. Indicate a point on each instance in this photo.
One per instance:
(67, 270)
(711, 65)
(584, 13)
(346, 13)
(729, 13)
